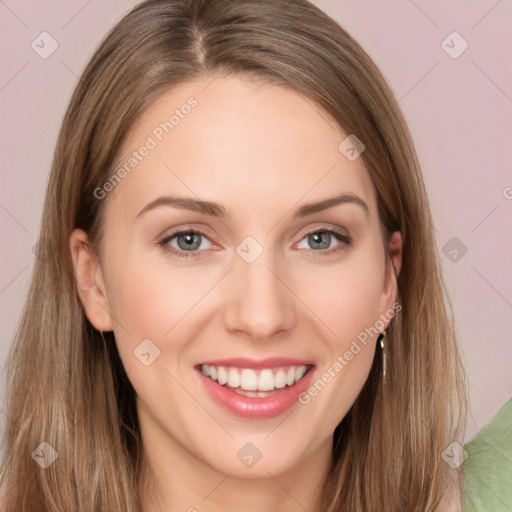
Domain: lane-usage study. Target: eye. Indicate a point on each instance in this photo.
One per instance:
(187, 243)
(321, 240)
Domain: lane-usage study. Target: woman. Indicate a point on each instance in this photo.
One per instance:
(240, 304)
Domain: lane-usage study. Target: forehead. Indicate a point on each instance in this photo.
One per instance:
(252, 146)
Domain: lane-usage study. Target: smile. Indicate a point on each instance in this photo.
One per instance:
(255, 390)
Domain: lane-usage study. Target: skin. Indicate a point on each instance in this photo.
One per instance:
(261, 152)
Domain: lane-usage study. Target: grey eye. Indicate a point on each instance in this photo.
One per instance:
(319, 240)
(188, 241)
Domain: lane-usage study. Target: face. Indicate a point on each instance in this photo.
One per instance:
(215, 266)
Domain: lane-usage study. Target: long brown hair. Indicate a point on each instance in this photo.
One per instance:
(66, 385)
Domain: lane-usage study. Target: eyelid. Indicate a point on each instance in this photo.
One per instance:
(187, 228)
(326, 227)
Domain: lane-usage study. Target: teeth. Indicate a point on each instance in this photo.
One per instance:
(280, 379)
(299, 373)
(222, 376)
(266, 381)
(233, 378)
(290, 377)
(249, 380)
(256, 384)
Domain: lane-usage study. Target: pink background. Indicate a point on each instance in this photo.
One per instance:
(459, 112)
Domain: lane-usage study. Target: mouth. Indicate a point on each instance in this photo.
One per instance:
(255, 390)
(255, 383)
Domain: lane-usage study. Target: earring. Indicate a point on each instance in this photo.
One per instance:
(381, 338)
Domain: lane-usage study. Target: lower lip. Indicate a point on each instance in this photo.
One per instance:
(256, 407)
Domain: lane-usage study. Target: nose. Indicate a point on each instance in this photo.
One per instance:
(260, 303)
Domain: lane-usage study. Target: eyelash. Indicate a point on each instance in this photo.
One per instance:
(346, 241)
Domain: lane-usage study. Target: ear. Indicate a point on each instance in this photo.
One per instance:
(393, 267)
(395, 251)
(90, 282)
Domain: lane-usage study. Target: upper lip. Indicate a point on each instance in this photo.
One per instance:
(245, 362)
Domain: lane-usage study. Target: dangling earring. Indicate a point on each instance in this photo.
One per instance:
(382, 337)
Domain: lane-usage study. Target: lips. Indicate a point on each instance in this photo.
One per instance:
(245, 362)
(255, 389)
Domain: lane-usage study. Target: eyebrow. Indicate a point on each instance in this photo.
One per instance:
(217, 210)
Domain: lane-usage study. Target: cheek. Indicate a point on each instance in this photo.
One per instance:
(348, 303)
(156, 303)
(345, 296)
(351, 309)
(149, 299)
